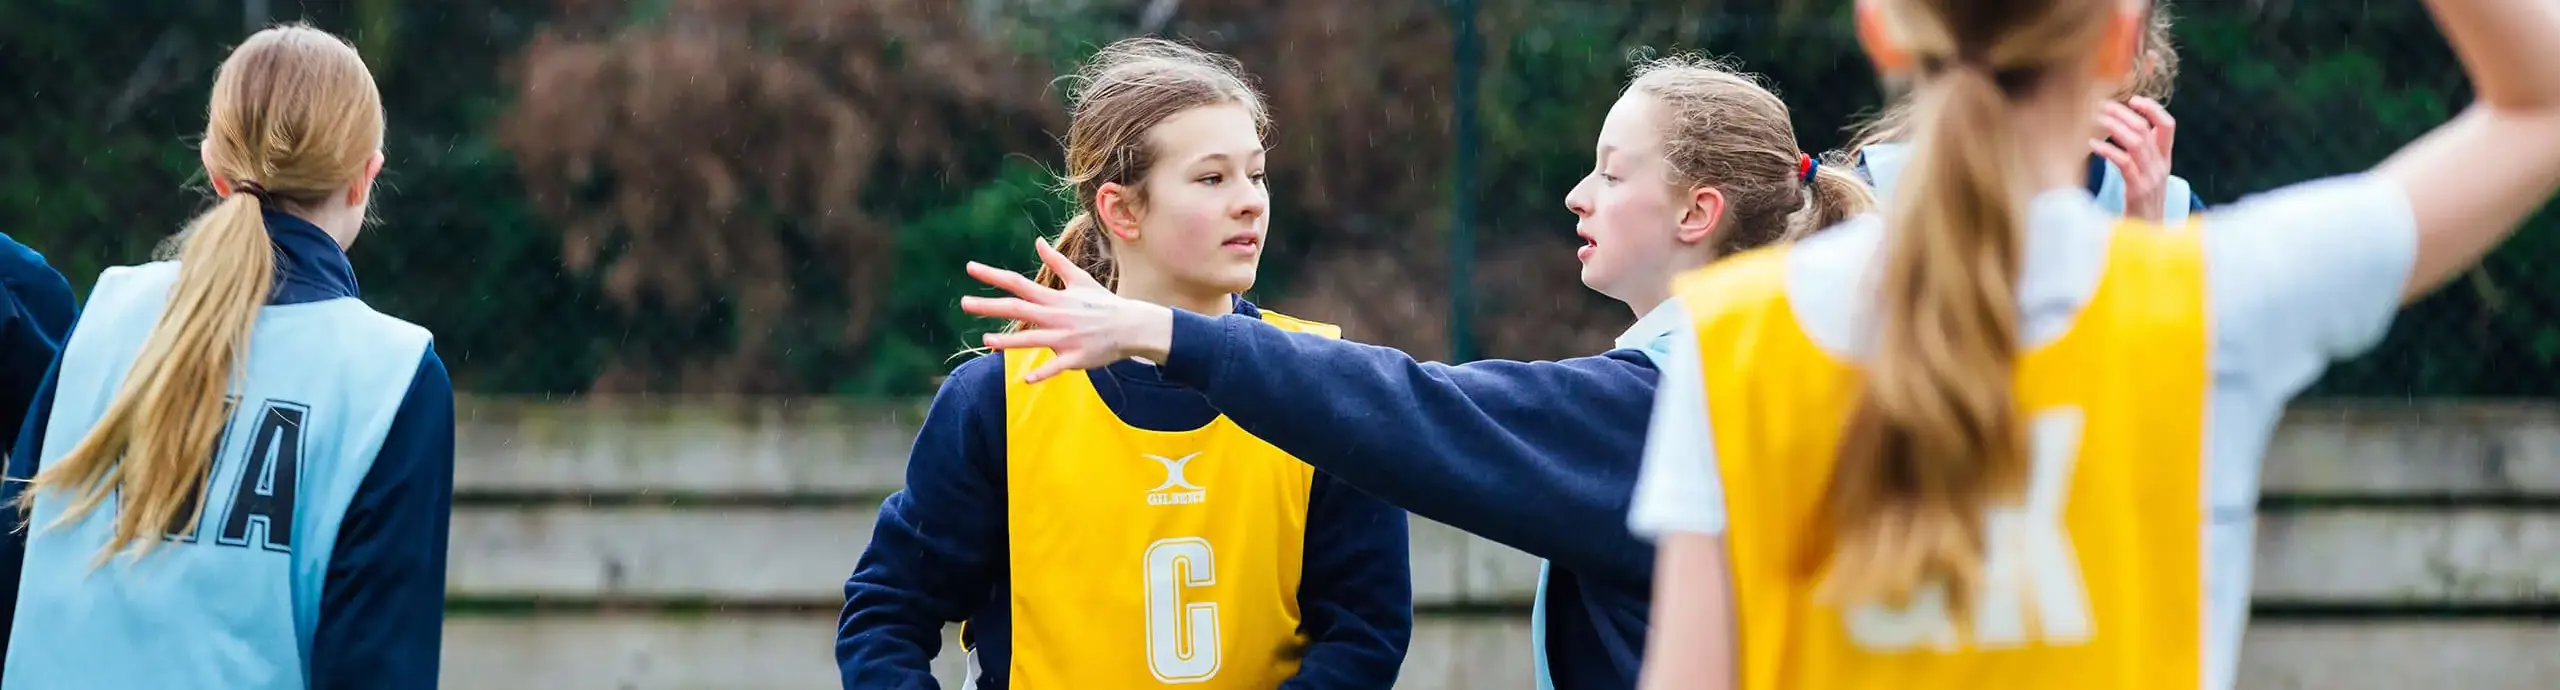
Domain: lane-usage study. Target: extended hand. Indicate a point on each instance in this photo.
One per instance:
(1085, 324)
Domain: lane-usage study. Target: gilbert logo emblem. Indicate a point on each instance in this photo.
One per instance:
(1166, 494)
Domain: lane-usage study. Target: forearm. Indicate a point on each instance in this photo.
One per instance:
(1691, 646)
(2510, 48)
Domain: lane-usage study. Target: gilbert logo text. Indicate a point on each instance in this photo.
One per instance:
(1175, 490)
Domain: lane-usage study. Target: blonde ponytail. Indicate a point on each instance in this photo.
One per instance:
(1936, 437)
(152, 446)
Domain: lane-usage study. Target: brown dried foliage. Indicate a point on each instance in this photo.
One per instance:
(708, 155)
(712, 155)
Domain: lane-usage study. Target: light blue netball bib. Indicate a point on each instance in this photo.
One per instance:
(233, 603)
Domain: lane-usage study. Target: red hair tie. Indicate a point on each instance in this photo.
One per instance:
(1805, 165)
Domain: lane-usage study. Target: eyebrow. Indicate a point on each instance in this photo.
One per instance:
(1224, 156)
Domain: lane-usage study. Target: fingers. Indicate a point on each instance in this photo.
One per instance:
(2126, 126)
(1032, 339)
(2114, 154)
(2133, 135)
(2164, 128)
(1059, 265)
(1010, 281)
(1053, 367)
(2130, 142)
(1009, 308)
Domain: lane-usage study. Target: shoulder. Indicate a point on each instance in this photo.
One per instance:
(21, 265)
(122, 280)
(982, 376)
(2342, 202)
(394, 328)
(127, 297)
(432, 377)
(358, 329)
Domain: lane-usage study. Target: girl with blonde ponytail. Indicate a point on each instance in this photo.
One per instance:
(238, 475)
(1998, 437)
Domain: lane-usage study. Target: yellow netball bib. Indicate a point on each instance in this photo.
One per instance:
(1145, 558)
(2094, 579)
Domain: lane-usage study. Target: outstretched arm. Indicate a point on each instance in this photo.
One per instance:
(2474, 179)
(1530, 454)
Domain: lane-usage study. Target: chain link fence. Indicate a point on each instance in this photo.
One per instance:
(770, 197)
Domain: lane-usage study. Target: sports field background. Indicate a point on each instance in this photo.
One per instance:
(774, 196)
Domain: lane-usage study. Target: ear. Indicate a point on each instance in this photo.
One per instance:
(1701, 213)
(364, 184)
(204, 154)
(2121, 47)
(1877, 37)
(1117, 206)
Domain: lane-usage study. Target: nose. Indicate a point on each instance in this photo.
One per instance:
(1579, 200)
(1256, 202)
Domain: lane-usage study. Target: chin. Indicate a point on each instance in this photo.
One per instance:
(1591, 278)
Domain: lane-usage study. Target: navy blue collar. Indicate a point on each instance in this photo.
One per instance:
(2097, 173)
(310, 267)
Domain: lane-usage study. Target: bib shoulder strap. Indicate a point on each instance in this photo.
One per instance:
(1292, 323)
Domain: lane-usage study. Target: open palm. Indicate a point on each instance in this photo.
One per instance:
(1084, 324)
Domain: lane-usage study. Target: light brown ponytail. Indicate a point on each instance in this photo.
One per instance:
(1836, 194)
(1082, 243)
(1936, 437)
(295, 120)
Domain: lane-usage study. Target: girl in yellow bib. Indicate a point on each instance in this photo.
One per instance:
(1998, 437)
(1109, 529)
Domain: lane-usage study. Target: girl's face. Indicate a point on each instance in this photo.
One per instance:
(1200, 226)
(1630, 209)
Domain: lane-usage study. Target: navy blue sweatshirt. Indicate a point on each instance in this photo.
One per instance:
(1539, 456)
(382, 614)
(938, 553)
(34, 320)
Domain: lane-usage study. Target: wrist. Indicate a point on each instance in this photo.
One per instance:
(1154, 331)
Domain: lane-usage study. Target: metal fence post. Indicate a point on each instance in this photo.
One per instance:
(1462, 211)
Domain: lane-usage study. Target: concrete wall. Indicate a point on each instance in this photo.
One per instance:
(645, 545)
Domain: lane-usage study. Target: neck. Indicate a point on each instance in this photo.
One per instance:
(341, 222)
(1206, 303)
(1645, 304)
(1689, 257)
(2059, 112)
